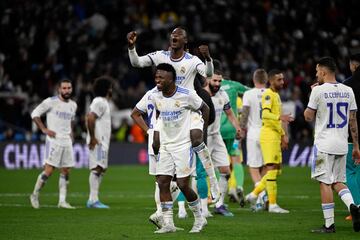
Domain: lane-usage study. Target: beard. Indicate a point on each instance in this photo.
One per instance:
(66, 96)
(214, 89)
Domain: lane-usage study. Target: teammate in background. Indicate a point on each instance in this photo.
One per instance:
(60, 114)
(145, 106)
(228, 133)
(98, 122)
(172, 143)
(216, 144)
(334, 107)
(273, 138)
(187, 67)
(353, 170)
(250, 124)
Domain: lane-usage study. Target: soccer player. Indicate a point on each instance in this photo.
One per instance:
(250, 124)
(172, 143)
(216, 145)
(273, 138)
(145, 106)
(353, 170)
(98, 122)
(187, 67)
(333, 106)
(60, 114)
(228, 132)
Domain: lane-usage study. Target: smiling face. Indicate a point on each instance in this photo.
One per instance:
(178, 39)
(164, 80)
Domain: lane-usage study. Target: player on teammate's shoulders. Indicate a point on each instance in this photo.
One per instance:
(172, 143)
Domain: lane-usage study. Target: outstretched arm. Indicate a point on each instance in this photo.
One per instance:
(135, 60)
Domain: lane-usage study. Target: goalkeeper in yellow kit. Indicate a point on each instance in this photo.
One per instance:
(273, 138)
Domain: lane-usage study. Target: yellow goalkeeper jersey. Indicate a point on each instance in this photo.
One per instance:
(271, 110)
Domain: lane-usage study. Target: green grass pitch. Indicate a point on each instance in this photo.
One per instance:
(129, 192)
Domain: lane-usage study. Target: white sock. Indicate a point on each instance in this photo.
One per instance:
(328, 211)
(181, 205)
(167, 211)
(40, 182)
(157, 198)
(63, 182)
(223, 184)
(94, 182)
(174, 190)
(346, 197)
(204, 156)
(204, 205)
(195, 207)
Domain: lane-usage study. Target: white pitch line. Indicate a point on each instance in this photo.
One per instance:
(77, 194)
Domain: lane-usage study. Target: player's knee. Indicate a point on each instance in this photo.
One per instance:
(196, 137)
(272, 174)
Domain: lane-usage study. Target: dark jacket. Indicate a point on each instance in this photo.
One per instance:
(354, 83)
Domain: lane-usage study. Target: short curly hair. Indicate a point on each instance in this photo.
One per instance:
(102, 85)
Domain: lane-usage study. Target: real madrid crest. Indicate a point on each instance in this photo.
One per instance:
(177, 103)
(182, 70)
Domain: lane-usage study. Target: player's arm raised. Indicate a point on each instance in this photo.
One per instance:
(209, 70)
(135, 60)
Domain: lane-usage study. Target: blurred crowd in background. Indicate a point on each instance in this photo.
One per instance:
(44, 41)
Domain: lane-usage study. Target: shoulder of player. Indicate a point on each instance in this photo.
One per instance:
(186, 91)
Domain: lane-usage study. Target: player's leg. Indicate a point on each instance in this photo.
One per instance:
(98, 163)
(352, 175)
(67, 162)
(166, 204)
(52, 161)
(322, 172)
(185, 165)
(238, 170)
(202, 188)
(339, 166)
(202, 152)
(39, 184)
(220, 159)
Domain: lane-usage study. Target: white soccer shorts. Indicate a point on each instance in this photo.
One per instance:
(254, 155)
(182, 162)
(98, 157)
(59, 156)
(152, 164)
(328, 168)
(217, 149)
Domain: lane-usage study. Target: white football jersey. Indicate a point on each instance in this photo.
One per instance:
(332, 103)
(175, 117)
(100, 106)
(59, 115)
(186, 67)
(252, 99)
(145, 105)
(221, 102)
